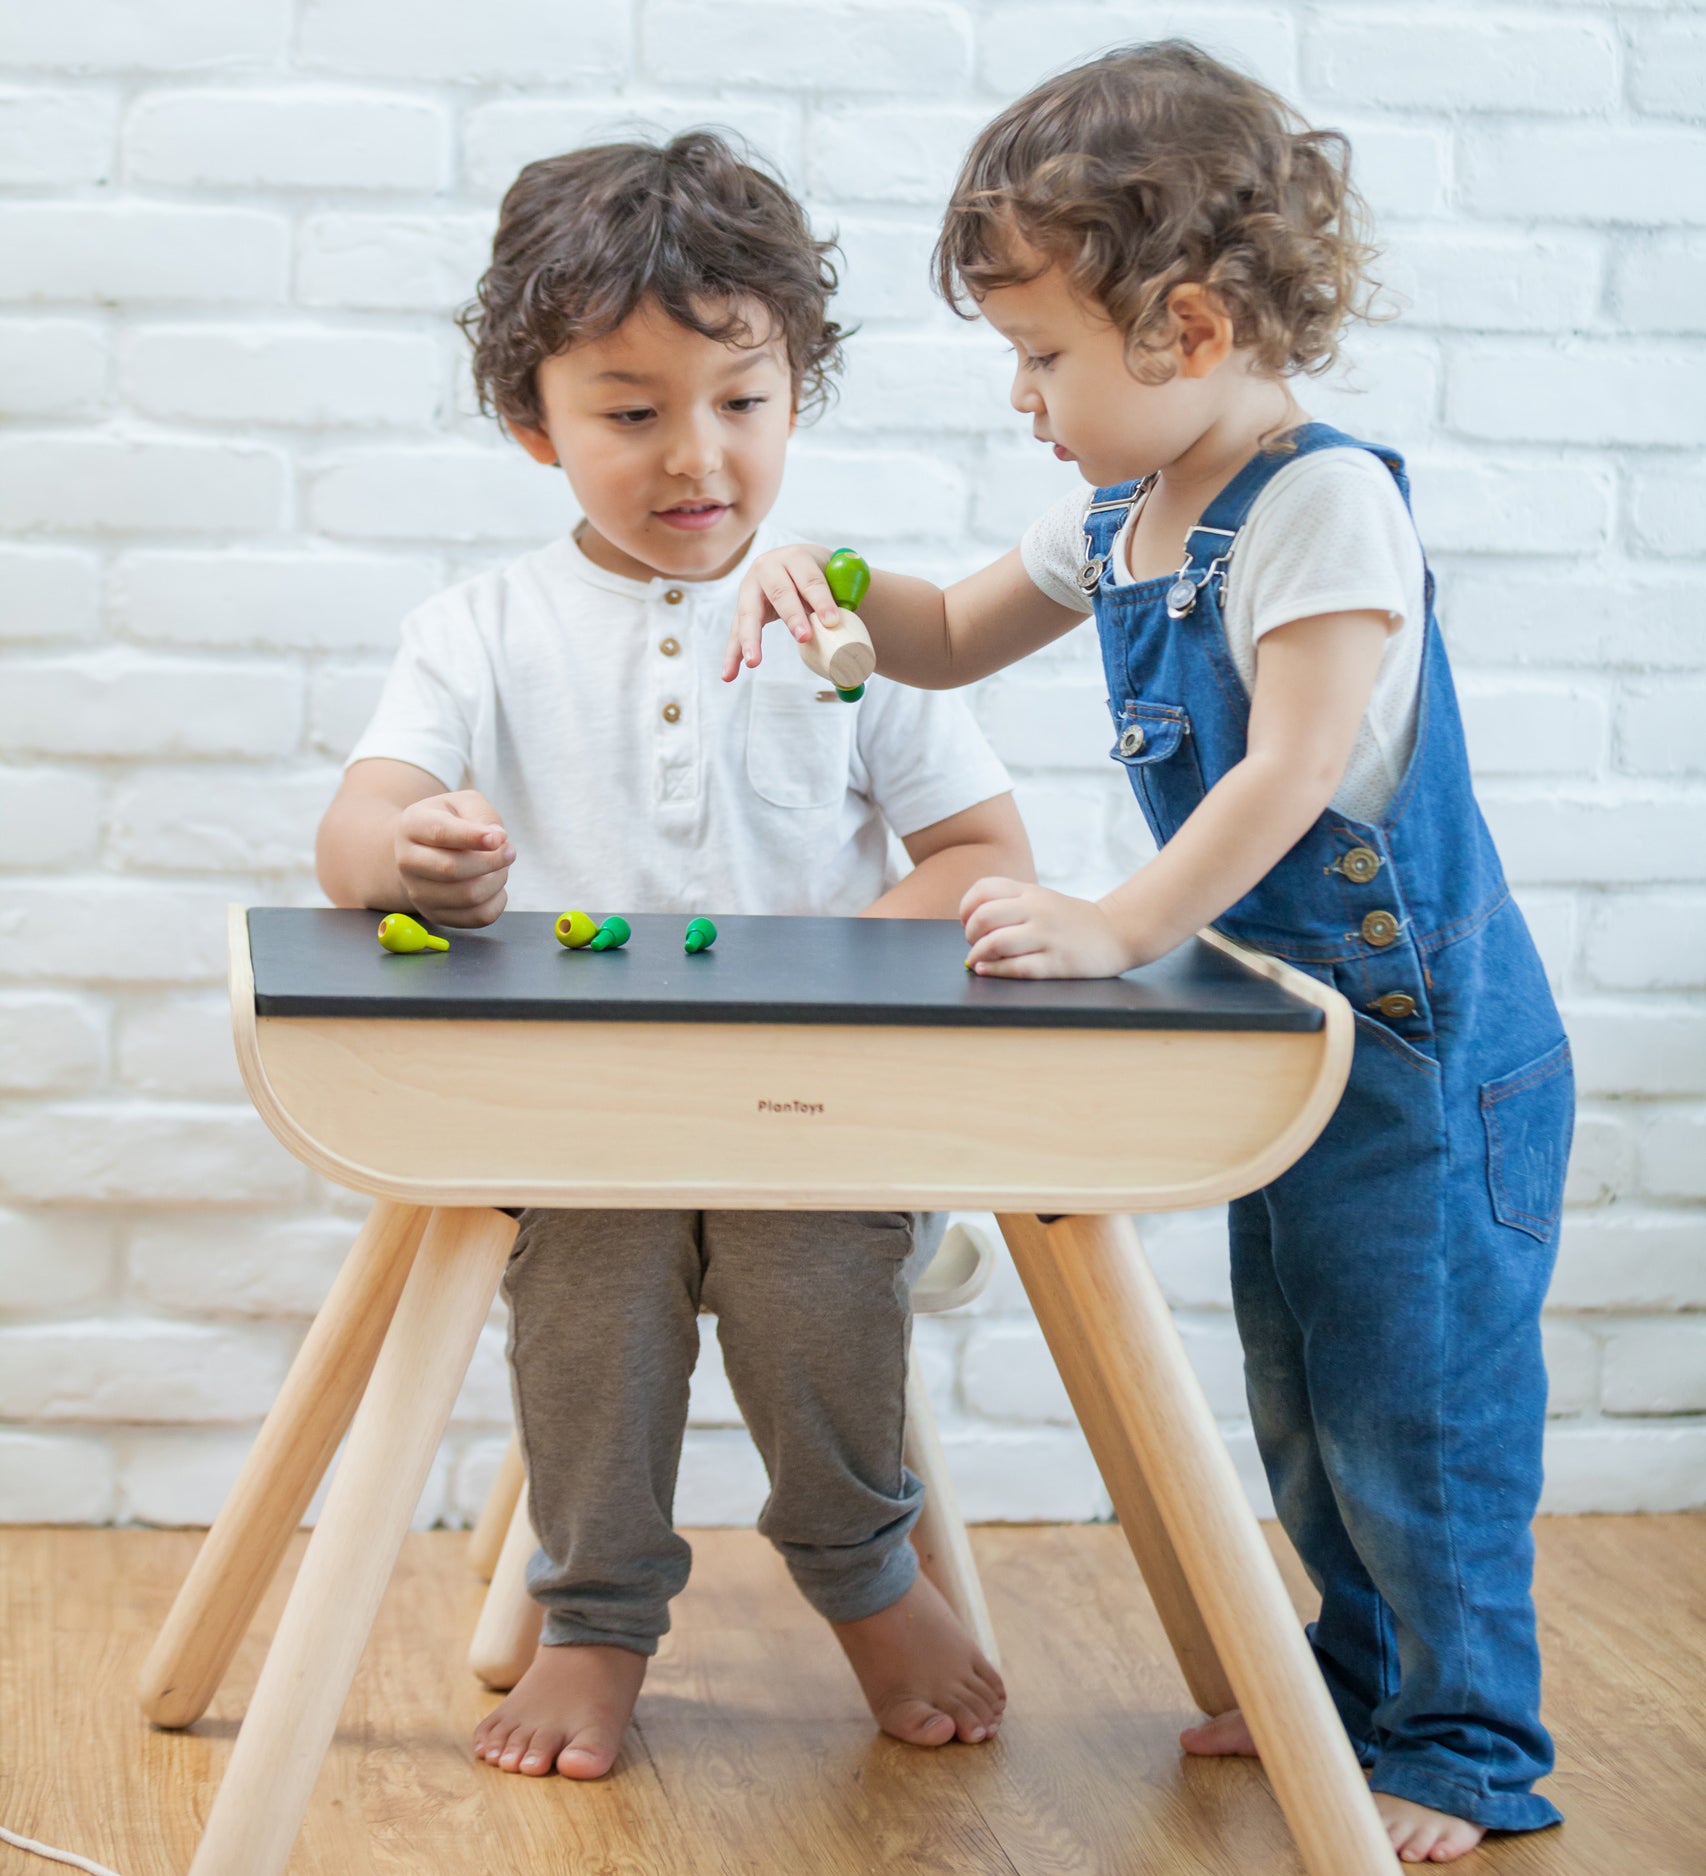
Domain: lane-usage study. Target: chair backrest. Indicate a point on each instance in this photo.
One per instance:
(957, 1274)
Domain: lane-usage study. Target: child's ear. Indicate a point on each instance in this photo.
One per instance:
(536, 442)
(1202, 329)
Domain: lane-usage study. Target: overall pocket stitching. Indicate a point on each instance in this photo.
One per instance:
(1523, 1080)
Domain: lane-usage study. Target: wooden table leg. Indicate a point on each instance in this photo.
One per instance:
(242, 1551)
(940, 1536)
(506, 1637)
(493, 1523)
(1115, 1342)
(294, 1711)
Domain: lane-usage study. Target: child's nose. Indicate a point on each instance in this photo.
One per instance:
(1023, 396)
(693, 450)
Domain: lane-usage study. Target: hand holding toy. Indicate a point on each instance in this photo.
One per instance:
(453, 858)
(843, 652)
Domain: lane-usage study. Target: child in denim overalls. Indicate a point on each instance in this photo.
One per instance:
(1166, 246)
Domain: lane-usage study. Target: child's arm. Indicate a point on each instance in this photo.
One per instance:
(394, 840)
(1313, 682)
(923, 636)
(950, 855)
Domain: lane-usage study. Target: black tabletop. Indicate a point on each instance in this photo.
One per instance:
(761, 970)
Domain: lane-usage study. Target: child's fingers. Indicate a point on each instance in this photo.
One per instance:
(814, 590)
(981, 891)
(781, 588)
(1009, 940)
(437, 865)
(428, 825)
(1030, 964)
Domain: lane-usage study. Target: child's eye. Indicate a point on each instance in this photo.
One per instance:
(744, 404)
(626, 419)
(1042, 363)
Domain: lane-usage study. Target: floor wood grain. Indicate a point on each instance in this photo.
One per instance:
(752, 1754)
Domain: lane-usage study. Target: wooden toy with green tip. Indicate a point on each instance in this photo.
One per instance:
(843, 652)
(398, 932)
(575, 930)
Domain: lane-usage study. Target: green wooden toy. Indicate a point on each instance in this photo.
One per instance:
(849, 579)
(398, 932)
(575, 930)
(701, 935)
(613, 933)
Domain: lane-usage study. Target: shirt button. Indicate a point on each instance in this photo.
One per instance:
(670, 647)
(1131, 740)
(1396, 1004)
(674, 596)
(1360, 864)
(1380, 928)
(672, 713)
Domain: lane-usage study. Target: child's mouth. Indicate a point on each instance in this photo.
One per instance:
(1064, 454)
(693, 515)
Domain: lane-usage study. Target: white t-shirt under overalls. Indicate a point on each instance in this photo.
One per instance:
(1329, 533)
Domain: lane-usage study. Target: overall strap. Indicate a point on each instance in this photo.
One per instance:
(1103, 520)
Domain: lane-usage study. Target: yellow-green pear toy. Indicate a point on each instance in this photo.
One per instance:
(398, 932)
(575, 930)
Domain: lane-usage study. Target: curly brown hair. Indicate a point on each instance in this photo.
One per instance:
(583, 239)
(1154, 166)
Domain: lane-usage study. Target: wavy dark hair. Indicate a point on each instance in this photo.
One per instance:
(1154, 166)
(584, 239)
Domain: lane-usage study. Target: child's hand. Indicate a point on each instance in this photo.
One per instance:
(787, 584)
(454, 857)
(1021, 930)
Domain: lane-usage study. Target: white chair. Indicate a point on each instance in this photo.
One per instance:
(507, 1634)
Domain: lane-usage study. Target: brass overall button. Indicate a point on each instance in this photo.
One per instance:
(674, 596)
(670, 647)
(1396, 1004)
(1360, 864)
(1380, 928)
(672, 714)
(1131, 740)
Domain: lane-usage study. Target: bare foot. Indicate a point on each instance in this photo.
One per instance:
(923, 1676)
(1423, 1836)
(1224, 1737)
(568, 1711)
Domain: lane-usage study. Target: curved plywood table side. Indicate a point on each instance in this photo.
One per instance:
(802, 1064)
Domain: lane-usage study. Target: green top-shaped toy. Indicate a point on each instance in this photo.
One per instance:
(701, 935)
(398, 932)
(612, 934)
(849, 579)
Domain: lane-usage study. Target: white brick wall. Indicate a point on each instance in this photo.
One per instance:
(237, 445)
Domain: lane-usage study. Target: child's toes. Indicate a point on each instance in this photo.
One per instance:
(540, 1758)
(971, 1722)
(490, 1741)
(590, 1752)
(916, 1721)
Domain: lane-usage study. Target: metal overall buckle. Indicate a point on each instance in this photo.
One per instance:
(1089, 575)
(1182, 594)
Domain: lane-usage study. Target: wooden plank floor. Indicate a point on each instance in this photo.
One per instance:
(753, 1756)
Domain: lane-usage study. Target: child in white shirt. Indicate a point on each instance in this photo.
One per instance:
(554, 735)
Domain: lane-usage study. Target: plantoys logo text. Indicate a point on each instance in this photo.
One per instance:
(790, 1107)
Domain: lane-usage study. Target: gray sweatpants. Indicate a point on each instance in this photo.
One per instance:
(814, 1320)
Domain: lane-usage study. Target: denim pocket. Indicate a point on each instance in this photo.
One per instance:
(1153, 743)
(1529, 1116)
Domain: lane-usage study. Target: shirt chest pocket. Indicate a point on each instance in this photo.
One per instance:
(1153, 743)
(799, 751)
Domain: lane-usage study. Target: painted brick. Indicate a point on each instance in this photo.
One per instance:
(1016, 482)
(119, 702)
(141, 252)
(54, 1259)
(166, 35)
(1381, 389)
(426, 263)
(889, 152)
(1400, 169)
(49, 1044)
(1631, 1261)
(533, 41)
(874, 491)
(135, 1368)
(1659, 283)
(1019, 45)
(54, 1478)
(1656, 1367)
(1668, 508)
(172, 934)
(1673, 1155)
(1519, 728)
(274, 602)
(1625, 1468)
(52, 368)
(1635, 1049)
(51, 817)
(1648, 941)
(1046, 726)
(1478, 506)
(178, 1047)
(183, 821)
(1594, 173)
(328, 378)
(341, 702)
(1017, 1475)
(1535, 64)
(142, 1153)
(77, 484)
(1496, 616)
(287, 140)
(50, 138)
(438, 494)
(501, 137)
(1572, 1355)
(1616, 393)
(886, 270)
(721, 1480)
(233, 1264)
(1475, 280)
(1560, 838)
(957, 382)
(48, 593)
(1600, 1159)
(1661, 729)
(484, 1397)
(869, 45)
(1667, 67)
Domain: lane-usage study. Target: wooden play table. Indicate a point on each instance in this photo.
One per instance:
(803, 1064)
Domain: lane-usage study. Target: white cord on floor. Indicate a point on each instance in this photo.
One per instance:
(57, 1856)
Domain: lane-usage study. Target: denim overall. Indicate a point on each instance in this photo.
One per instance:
(1388, 1286)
